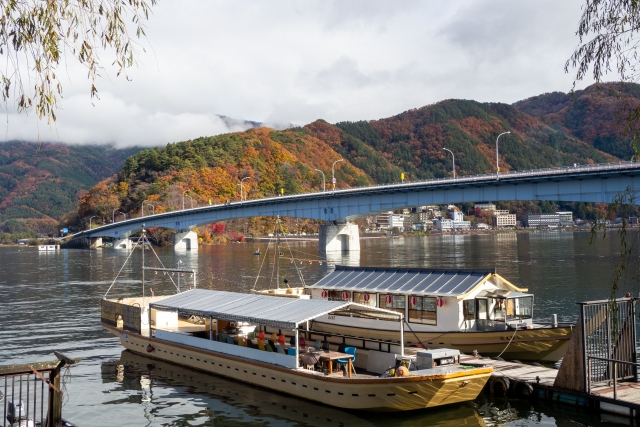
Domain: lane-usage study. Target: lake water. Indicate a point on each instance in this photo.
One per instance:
(51, 301)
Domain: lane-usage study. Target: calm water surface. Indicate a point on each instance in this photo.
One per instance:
(51, 301)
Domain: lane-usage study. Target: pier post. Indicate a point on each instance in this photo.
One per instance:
(122, 243)
(185, 240)
(339, 238)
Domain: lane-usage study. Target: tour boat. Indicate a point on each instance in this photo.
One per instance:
(469, 310)
(207, 330)
(216, 348)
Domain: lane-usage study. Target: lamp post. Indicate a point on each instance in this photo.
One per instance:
(124, 214)
(333, 175)
(90, 221)
(113, 215)
(242, 188)
(454, 161)
(191, 200)
(153, 208)
(497, 165)
(324, 186)
(183, 197)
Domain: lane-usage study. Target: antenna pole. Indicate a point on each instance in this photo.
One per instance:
(277, 253)
(143, 240)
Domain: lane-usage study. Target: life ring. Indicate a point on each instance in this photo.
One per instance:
(499, 386)
(150, 348)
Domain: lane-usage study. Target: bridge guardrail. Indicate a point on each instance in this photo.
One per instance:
(386, 186)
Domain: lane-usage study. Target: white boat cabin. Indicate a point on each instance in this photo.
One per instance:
(430, 299)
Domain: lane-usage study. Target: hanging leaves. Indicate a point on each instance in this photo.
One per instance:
(41, 33)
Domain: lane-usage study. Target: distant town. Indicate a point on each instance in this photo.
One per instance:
(483, 216)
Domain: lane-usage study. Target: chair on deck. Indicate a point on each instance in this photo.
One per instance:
(302, 343)
(279, 349)
(341, 348)
(269, 348)
(261, 345)
(250, 344)
(281, 339)
(229, 340)
(261, 335)
(272, 345)
(242, 342)
(317, 344)
(291, 351)
(221, 338)
(308, 361)
(348, 350)
(325, 346)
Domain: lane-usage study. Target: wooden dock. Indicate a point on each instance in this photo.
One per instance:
(538, 382)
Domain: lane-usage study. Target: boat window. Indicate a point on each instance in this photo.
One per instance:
(499, 309)
(422, 310)
(364, 298)
(469, 307)
(520, 308)
(392, 302)
(482, 309)
(339, 296)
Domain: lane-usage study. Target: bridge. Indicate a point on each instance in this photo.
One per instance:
(584, 183)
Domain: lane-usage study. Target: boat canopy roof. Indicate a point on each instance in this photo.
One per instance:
(502, 294)
(427, 281)
(278, 312)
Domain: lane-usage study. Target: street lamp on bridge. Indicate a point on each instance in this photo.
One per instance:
(90, 221)
(324, 185)
(183, 197)
(497, 165)
(242, 188)
(454, 161)
(124, 214)
(333, 176)
(113, 215)
(153, 208)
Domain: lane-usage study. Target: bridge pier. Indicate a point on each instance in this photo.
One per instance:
(338, 238)
(185, 240)
(122, 243)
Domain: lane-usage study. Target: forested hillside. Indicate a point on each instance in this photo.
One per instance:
(595, 115)
(39, 185)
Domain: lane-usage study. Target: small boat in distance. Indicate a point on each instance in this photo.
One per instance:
(256, 252)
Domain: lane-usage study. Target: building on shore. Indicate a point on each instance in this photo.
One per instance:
(485, 206)
(557, 219)
(504, 220)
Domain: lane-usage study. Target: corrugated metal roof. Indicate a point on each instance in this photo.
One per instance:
(285, 313)
(425, 281)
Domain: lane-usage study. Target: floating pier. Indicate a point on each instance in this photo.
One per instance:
(599, 370)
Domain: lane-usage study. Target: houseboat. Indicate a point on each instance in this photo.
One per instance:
(200, 329)
(469, 310)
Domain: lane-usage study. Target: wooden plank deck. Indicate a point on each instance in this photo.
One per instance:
(516, 371)
(626, 402)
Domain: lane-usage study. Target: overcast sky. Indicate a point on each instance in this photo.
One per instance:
(292, 62)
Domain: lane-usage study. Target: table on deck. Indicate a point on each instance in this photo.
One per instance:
(330, 356)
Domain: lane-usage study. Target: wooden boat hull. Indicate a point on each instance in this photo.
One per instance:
(372, 394)
(535, 345)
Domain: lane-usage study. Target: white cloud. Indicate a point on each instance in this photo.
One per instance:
(293, 62)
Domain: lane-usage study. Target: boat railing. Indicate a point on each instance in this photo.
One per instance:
(27, 397)
(379, 343)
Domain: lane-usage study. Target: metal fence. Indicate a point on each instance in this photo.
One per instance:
(609, 341)
(28, 397)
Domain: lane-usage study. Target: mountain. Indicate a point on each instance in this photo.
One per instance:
(595, 115)
(38, 185)
(413, 142)
(209, 169)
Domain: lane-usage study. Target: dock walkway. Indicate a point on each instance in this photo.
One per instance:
(532, 381)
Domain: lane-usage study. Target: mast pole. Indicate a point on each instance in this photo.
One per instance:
(277, 253)
(143, 239)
